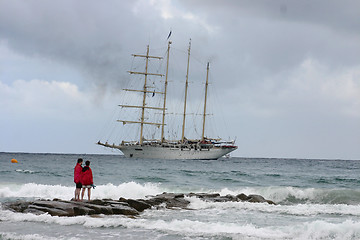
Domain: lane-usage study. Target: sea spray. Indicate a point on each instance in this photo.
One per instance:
(296, 210)
(33, 190)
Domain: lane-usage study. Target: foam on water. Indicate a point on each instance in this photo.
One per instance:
(291, 195)
(33, 190)
(281, 195)
(24, 171)
(17, 236)
(318, 229)
(296, 210)
(325, 230)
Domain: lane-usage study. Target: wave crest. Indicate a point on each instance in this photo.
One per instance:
(33, 190)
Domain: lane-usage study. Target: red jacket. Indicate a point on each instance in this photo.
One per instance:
(77, 173)
(86, 176)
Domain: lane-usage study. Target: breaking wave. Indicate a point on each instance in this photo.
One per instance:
(280, 195)
(33, 190)
(317, 229)
(294, 195)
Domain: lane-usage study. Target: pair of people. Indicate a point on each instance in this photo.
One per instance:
(83, 178)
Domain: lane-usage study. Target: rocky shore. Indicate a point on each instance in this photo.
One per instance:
(128, 207)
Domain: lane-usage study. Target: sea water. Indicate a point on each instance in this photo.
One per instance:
(316, 199)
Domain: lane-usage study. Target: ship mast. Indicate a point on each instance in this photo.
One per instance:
(166, 83)
(144, 96)
(144, 91)
(206, 88)
(186, 88)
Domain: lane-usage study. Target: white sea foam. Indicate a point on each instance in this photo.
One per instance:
(24, 171)
(33, 190)
(282, 195)
(294, 194)
(318, 229)
(324, 230)
(185, 226)
(297, 209)
(274, 193)
(17, 236)
(6, 215)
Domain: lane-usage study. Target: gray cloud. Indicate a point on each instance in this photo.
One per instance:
(280, 67)
(87, 36)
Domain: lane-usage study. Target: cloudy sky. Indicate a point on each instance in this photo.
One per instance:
(286, 72)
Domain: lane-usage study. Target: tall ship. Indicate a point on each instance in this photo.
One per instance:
(201, 148)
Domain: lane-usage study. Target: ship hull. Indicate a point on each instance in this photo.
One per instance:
(158, 152)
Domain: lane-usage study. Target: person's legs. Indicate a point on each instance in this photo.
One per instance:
(89, 193)
(77, 191)
(82, 194)
(77, 194)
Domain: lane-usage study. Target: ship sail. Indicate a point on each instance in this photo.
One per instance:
(201, 148)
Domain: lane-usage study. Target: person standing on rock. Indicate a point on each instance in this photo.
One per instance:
(86, 180)
(77, 178)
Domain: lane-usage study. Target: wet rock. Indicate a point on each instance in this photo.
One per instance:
(18, 206)
(81, 210)
(231, 198)
(52, 211)
(124, 210)
(176, 203)
(204, 195)
(98, 202)
(139, 205)
(53, 205)
(123, 206)
(270, 202)
(33, 211)
(256, 199)
(242, 197)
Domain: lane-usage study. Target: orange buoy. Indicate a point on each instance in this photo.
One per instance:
(14, 160)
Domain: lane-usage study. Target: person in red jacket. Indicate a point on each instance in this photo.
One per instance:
(77, 178)
(86, 180)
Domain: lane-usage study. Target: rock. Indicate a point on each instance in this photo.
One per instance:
(98, 202)
(242, 197)
(124, 210)
(106, 210)
(177, 203)
(18, 206)
(128, 207)
(217, 199)
(81, 210)
(169, 200)
(139, 205)
(51, 211)
(33, 211)
(204, 195)
(63, 206)
(270, 202)
(256, 199)
(231, 198)
(166, 195)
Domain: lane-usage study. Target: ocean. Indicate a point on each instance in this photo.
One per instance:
(316, 199)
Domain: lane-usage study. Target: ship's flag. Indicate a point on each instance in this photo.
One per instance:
(169, 35)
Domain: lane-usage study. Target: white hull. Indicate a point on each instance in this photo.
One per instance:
(158, 152)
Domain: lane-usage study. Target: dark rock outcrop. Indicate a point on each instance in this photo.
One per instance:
(59, 207)
(128, 207)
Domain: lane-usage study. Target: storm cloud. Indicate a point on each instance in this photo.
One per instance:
(287, 72)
